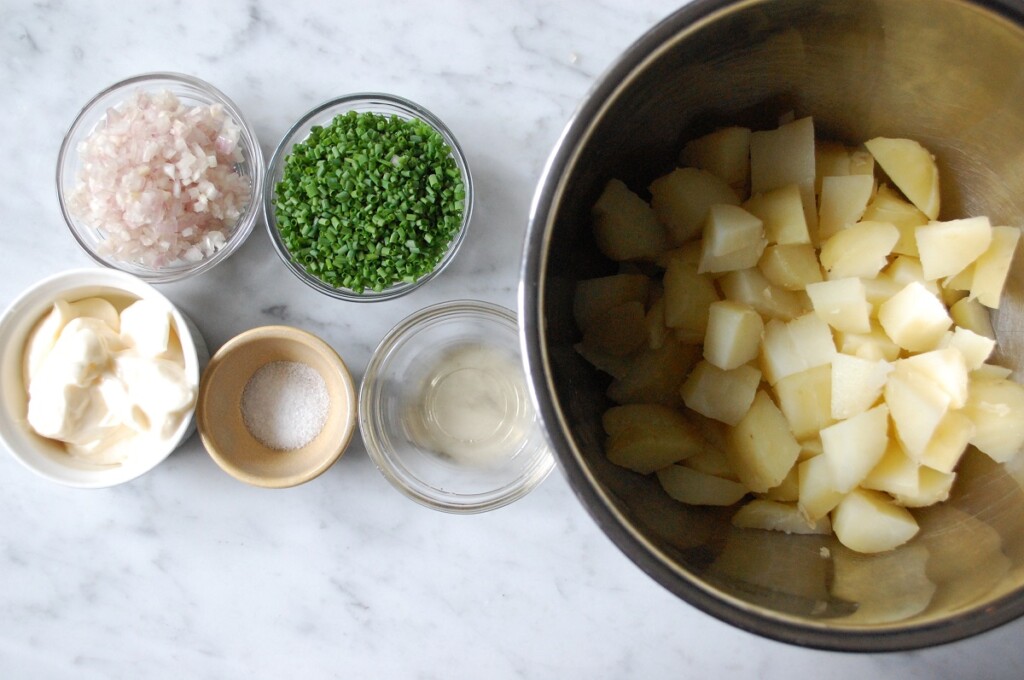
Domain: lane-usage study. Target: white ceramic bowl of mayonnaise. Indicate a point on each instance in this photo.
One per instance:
(186, 349)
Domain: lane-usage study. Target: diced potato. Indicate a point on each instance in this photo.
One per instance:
(853, 447)
(856, 384)
(888, 206)
(791, 267)
(991, 372)
(996, 407)
(805, 399)
(874, 344)
(970, 314)
(976, 349)
(733, 239)
(788, 490)
(831, 159)
(724, 153)
(593, 297)
(818, 495)
(949, 442)
(911, 168)
(946, 368)
(688, 295)
(711, 461)
(696, 488)
(842, 304)
(948, 247)
(859, 250)
(721, 395)
(625, 227)
(782, 211)
(785, 156)
(809, 448)
(688, 254)
(869, 522)
(895, 474)
(681, 200)
(993, 265)
(734, 334)
(615, 366)
(861, 163)
(888, 587)
(914, 318)
(750, 287)
(905, 269)
(796, 346)
(648, 437)
(777, 516)
(762, 447)
(654, 321)
(843, 201)
(618, 331)
(961, 281)
(917, 405)
(654, 375)
(932, 487)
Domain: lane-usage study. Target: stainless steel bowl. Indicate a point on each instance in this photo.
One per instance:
(945, 72)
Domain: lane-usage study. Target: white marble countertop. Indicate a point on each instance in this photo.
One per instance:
(187, 573)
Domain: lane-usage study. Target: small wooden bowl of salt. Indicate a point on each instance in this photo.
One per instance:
(276, 407)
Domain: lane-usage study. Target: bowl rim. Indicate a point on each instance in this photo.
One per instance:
(532, 477)
(550, 186)
(346, 102)
(246, 222)
(271, 333)
(193, 348)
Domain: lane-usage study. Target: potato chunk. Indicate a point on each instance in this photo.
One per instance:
(796, 346)
(869, 522)
(791, 267)
(805, 400)
(697, 488)
(996, 407)
(842, 304)
(887, 206)
(911, 168)
(914, 318)
(733, 239)
(681, 200)
(724, 396)
(785, 156)
(654, 375)
(946, 248)
(593, 297)
(625, 227)
(749, 286)
(648, 437)
(734, 334)
(776, 516)
(818, 494)
(782, 211)
(859, 250)
(724, 153)
(993, 265)
(856, 384)
(762, 448)
(843, 201)
(853, 447)
(688, 296)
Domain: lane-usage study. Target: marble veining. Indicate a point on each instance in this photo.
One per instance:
(188, 573)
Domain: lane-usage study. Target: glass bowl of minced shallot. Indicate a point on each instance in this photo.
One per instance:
(160, 175)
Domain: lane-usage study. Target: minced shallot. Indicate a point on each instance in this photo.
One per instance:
(158, 180)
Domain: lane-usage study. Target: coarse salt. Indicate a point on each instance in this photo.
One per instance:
(285, 404)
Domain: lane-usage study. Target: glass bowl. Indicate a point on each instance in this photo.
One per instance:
(191, 92)
(445, 412)
(322, 115)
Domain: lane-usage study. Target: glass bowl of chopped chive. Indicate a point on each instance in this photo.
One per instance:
(368, 197)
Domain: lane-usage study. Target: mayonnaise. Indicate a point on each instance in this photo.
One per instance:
(104, 383)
